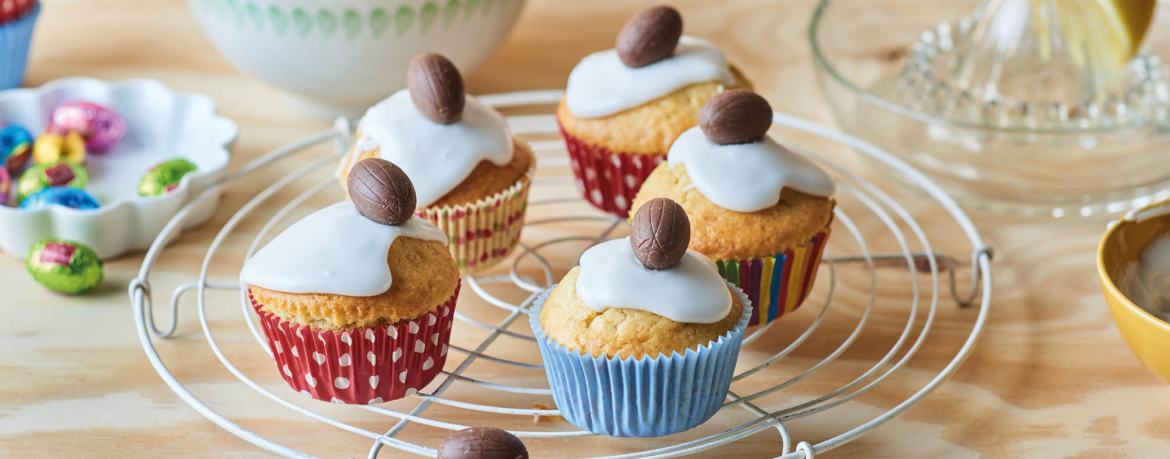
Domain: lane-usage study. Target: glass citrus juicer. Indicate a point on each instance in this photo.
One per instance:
(1034, 107)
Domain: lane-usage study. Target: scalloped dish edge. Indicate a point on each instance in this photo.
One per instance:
(142, 206)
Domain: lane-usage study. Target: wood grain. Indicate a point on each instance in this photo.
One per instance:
(1051, 377)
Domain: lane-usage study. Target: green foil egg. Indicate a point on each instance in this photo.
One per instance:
(64, 266)
(61, 173)
(165, 177)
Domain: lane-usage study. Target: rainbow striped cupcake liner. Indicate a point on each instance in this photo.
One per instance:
(777, 285)
(483, 233)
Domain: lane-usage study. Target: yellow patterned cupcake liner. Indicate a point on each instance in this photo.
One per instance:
(483, 233)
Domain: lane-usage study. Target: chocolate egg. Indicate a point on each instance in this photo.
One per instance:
(381, 191)
(660, 233)
(482, 443)
(73, 198)
(64, 266)
(61, 173)
(650, 36)
(165, 177)
(735, 116)
(101, 127)
(15, 148)
(5, 186)
(436, 88)
(51, 147)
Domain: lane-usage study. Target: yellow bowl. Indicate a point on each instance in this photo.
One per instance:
(1147, 336)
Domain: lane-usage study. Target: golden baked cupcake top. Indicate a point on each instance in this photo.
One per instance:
(442, 137)
(640, 95)
(644, 295)
(747, 195)
(357, 263)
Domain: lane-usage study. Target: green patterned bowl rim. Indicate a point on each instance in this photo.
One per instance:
(350, 23)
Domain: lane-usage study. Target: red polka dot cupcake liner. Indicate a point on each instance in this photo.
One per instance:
(483, 233)
(363, 366)
(607, 179)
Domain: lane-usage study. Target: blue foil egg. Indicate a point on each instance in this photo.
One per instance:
(73, 198)
(15, 148)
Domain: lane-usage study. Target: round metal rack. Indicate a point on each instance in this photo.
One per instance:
(920, 308)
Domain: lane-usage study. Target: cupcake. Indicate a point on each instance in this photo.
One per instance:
(472, 176)
(357, 299)
(625, 106)
(17, 18)
(759, 210)
(641, 339)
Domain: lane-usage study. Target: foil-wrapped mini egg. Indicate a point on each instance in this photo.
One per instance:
(64, 266)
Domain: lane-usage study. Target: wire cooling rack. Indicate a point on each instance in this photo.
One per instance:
(530, 272)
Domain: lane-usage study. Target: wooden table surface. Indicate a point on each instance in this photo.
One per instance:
(1051, 377)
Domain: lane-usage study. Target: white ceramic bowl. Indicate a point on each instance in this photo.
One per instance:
(161, 125)
(342, 56)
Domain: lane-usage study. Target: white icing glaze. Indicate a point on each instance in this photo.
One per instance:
(334, 250)
(746, 177)
(436, 157)
(690, 291)
(602, 85)
(1149, 286)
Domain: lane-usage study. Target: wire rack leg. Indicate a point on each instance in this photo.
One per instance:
(491, 338)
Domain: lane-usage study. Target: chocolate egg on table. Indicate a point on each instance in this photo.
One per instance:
(73, 198)
(64, 266)
(5, 186)
(101, 127)
(15, 148)
(165, 177)
(61, 173)
(482, 443)
(52, 147)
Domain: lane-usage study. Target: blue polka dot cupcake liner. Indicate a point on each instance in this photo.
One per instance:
(15, 39)
(641, 397)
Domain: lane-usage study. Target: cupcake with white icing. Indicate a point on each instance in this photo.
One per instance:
(472, 176)
(760, 210)
(642, 338)
(624, 107)
(358, 298)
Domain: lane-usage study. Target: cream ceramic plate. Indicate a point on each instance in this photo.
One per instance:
(161, 125)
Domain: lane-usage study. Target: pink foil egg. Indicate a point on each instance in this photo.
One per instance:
(101, 127)
(5, 186)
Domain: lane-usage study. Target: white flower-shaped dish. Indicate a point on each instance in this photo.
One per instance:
(161, 125)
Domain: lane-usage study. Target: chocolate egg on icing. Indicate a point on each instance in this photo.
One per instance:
(735, 116)
(52, 147)
(482, 443)
(62, 173)
(15, 148)
(381, 191)
(64, 266)
(660, 233)
(436, 87)
(100, 126)
(164, 177)
(650, 36)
